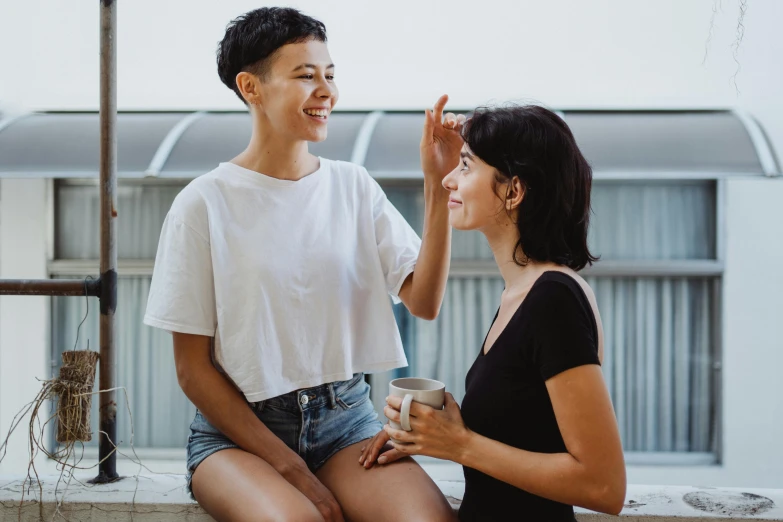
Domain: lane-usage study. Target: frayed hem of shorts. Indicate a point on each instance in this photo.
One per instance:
(340, 448)
(191, 470)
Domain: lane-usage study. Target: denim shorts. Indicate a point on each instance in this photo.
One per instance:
(316, 423)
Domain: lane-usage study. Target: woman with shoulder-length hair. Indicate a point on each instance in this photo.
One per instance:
(537, 432)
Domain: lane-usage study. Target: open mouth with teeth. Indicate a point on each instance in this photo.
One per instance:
(320, 114)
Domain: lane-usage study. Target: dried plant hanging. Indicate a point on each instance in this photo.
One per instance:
(73, 389)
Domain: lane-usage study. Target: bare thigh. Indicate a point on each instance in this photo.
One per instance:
(397, 491)
(235, 486)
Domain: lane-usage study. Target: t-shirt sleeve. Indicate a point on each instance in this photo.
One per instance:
(398, 243)
(564, 335)
(182, 294)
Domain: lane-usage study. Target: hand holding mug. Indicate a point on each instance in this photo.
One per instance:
(435, 433)
(425, 391)
(410, 394)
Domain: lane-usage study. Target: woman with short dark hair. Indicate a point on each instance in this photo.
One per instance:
(281, 265)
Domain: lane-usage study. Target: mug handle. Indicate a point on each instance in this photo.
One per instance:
(405, 412)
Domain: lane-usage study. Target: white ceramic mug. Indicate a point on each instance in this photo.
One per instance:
(425, 391)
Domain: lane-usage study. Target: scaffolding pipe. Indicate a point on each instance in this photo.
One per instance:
(54, 287)
(107, 469)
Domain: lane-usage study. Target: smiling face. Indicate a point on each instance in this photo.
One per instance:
(476, 200)
(297, 94)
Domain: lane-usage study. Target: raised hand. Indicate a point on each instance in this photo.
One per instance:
(441, 141)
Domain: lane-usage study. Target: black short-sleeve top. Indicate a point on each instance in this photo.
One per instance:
(553, 330)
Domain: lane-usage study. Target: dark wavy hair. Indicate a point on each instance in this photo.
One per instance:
(535, 145)
(252, 39)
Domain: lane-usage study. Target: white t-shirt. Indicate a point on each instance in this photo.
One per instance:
(292, 278)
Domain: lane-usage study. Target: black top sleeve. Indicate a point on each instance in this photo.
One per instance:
(565, 333)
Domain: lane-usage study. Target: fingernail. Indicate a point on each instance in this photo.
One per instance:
(382, 460)
(361, 460)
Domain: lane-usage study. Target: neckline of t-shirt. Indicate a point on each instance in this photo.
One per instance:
(269, 181)
(539, 279)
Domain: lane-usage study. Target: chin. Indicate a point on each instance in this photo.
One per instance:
(458, 224)
(315, 137)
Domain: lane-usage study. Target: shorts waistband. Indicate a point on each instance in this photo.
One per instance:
(324, 395)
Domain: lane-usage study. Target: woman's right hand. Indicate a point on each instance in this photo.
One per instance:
(371, 452)
(302, 479)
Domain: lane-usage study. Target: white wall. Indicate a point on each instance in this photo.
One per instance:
(565, 53)
(24, 320)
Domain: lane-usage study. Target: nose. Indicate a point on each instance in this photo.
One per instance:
(450, 182)
(325, 89)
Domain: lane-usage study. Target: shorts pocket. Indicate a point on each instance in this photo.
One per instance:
(356, 393)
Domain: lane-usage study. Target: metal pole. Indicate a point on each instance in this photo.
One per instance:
(107, 470)
(58, 287)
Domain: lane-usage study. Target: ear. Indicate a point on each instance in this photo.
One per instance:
(249, 86)
(515, 193)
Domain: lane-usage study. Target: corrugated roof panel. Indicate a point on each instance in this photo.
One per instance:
(68, 143)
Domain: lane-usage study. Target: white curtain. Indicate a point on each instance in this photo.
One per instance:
(659, 342)
(659, 360)
(141, 211)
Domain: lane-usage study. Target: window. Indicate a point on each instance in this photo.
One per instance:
(657, 285)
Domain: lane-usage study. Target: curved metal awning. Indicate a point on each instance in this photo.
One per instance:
(627, 144)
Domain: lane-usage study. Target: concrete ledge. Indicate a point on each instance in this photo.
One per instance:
(162, 498)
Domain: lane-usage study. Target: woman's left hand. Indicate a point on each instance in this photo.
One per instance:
(435, 433)
(441, 141)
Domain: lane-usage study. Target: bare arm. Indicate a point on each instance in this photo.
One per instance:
(591, 474)
(423, 290)
(224, 406)
(226, 409)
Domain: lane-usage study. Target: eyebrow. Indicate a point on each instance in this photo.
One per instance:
(464, 155)
(311, 66)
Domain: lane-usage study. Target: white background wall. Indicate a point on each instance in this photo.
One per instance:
(565, 53)
(24, 321)
(403, 54)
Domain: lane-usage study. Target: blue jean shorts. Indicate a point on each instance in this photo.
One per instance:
(316, 423)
